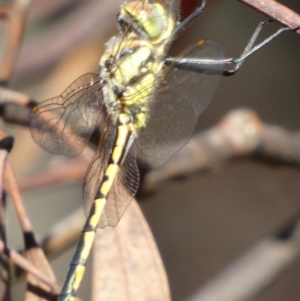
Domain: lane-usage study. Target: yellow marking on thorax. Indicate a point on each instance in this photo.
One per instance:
(130, 65)
(139, 93)
(140, 121)
(137, 72)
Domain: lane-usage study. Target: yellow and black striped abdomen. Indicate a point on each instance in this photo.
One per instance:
(118, 154)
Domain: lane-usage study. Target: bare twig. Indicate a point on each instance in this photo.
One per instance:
(46, 8)
(32, 250)
(15, 107)
(256, 270)
(276, 11)
(5, 147)
(8, 95)
(33, 60)
(17, 201)
(64, 233)
(27, 266)
(62, 38)
(67, 171)
(16, 26)
(238, 134)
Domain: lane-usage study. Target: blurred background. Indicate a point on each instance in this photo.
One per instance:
(201, 224)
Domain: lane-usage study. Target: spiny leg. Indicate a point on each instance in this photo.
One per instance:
(189, 19)
(249, 46)
(249, 49)
(207, 65)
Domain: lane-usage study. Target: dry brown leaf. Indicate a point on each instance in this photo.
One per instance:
(127, 264)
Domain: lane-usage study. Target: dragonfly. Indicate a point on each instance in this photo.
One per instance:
(149, 102)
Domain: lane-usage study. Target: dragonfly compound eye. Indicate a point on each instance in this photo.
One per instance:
(144, 19)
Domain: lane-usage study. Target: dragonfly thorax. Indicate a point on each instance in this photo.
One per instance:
(131, 70)
(131, 66)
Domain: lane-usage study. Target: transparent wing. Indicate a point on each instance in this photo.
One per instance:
(64, 124)
(97, 166)
(175, 107)
(124, 187)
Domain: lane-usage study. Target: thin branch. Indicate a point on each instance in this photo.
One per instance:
(62, 38)
(6, 145)
(16, 26)
(27, 266)
(14, 192)
(65, 172)
(33, 252)
(8, 95)
(64, 233)
(246, 278)
(15, 107)
(276, 11)
(46, 8)
(239, 134)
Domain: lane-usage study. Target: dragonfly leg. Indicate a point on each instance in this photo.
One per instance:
(250, 49)
(215, 66)
(189, 19)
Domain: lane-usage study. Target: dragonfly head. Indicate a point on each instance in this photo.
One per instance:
(146, 20)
